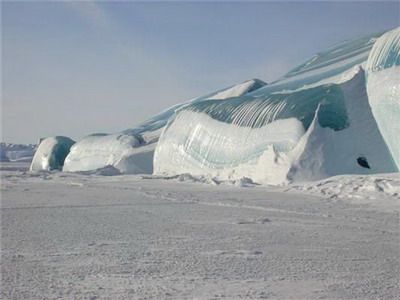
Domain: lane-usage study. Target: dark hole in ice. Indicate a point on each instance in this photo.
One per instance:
(363, 162)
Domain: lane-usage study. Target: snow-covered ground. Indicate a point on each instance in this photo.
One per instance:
(76, 236)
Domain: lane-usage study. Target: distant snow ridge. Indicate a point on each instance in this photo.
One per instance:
(314, 123)
(17, 152)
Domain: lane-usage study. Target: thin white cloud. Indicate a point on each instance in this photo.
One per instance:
(92, 12)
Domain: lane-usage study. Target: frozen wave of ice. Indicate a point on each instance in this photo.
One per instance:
(337, 113)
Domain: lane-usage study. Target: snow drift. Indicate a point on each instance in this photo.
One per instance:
(51, 154)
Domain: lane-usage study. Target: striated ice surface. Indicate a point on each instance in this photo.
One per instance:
(51, 153)
(157, 123)
(385, 52)
(197, 144)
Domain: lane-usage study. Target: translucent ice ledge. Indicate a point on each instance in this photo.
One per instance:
(383, 71)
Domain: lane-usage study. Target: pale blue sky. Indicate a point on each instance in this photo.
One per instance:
(74, 68)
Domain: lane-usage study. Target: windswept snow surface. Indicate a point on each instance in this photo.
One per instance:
(132, 151)
(51, 153)
(75, 236)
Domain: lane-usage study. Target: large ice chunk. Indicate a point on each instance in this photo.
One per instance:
(51, 153)
(100, 150)
(196, 143)
(357, 149)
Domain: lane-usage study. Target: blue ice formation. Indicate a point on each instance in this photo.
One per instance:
(319, 120)
(337, 113)
(51, 153)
